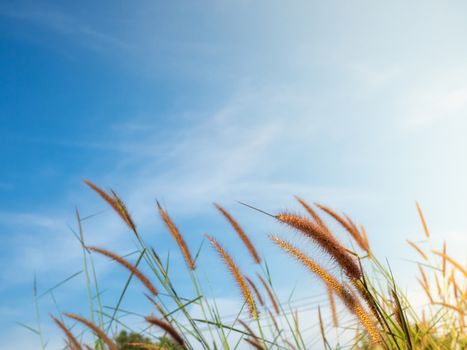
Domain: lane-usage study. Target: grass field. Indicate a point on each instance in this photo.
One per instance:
(361, 286)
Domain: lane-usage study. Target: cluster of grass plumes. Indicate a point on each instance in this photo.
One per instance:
(379, 315)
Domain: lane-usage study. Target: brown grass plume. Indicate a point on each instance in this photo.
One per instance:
(255, 290)
(347, 224)
(99, 332)
(240, 232)
(115, 202)
(177, 236)
(167, 327)
(72, 341)
(325, 240)
(137, 273)
(270, 294)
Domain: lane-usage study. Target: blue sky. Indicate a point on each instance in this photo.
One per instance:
(359, 105)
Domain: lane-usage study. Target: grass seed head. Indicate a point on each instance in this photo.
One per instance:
(239, 278)
(241, 233)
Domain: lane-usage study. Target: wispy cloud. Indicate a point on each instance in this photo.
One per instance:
(64, 24)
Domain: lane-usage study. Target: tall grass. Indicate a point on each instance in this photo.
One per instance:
(382, 316)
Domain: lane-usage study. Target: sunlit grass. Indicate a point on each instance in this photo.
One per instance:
(381, 316)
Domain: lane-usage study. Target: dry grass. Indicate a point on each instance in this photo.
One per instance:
(383, 317)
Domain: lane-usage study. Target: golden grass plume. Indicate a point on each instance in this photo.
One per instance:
(174, 231)
(325, 240)
(239, 278)
(137, 273)
(422, 219)
(240, 232)
(347, 224)
(331, 282)
(332, 305)
(312, 212)
(418, 249)
(115, 202)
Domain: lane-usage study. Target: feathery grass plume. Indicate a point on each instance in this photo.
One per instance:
(115, 202)
(422, 219)
(425, 279)
(345, 295)
(255, 290)
(312, 213)
(254, 343)
(241, 233)
(239, 278)
(274, 321)
(444, 259)
(177, 236)
(325, 240)
(452, 261)
(248, 329)
(167, 327)
(449, 306)
(438, 285)
(365, 237)
(418, 249)
(358, 236)
(333, 307)
(327, 278)
(137, 273)
(71, 339)
(270, 294)
(254, 340)
(364, 292)
(289, 343)
(99, 332)
(156, 305)
(347, 224)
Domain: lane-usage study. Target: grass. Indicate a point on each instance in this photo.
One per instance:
(381, 316)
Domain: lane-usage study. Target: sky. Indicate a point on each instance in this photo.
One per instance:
(360, 105)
